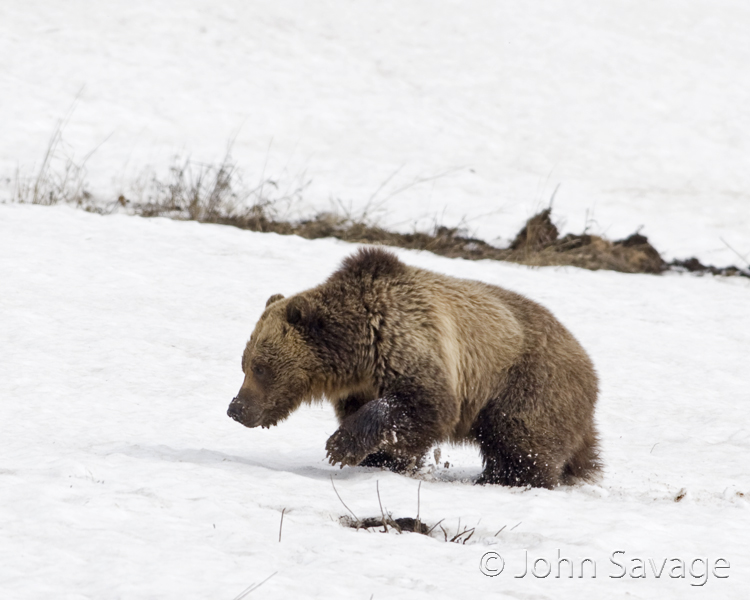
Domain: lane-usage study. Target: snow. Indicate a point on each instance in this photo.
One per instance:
(120, 338)
(122, 476)
(637, 109)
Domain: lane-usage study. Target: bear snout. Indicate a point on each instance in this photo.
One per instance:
(240, 413)
(234, 411)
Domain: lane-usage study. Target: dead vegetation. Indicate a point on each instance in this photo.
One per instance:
(214, 194)
(209, 194)
(60, 179)
(218, 194)
(386, 523)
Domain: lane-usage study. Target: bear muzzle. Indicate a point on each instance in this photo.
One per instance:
(240, 412)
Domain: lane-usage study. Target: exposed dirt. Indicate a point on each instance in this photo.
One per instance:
(215, 193)
(384, 524)
(387, 523)
(537, 244)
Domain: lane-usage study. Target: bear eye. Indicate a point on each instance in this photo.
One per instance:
(259, 370)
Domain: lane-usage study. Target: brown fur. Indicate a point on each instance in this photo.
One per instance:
(410, 358)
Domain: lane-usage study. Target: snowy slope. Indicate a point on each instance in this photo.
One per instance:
(638, 109)
(122, 477)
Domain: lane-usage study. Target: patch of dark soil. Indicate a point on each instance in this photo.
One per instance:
(537, 244)
(693, 265)
(387, 523)
(216, 194)
(401, 525)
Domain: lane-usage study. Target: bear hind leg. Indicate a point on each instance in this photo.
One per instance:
(518, 468)
(584, 465)
(511, 454)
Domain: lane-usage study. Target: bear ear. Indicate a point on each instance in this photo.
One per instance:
(300, 312)
(274, 298)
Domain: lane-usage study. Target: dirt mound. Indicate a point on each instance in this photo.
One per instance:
(538, 233)
(539, 244)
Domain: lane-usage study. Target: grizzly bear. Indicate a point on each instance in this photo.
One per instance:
(410, 358)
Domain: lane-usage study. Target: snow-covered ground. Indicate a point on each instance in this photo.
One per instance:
(120, 338)
(637, 109)
(122, 477)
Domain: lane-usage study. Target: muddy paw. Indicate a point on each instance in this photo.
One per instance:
(345, 449)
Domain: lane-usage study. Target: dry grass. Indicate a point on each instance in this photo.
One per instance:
(209, 194)
(213, 194)
(59, 179)
(218, 194)
(386, 522)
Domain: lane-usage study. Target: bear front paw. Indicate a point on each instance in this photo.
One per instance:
(345, 449)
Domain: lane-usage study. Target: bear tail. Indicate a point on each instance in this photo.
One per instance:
(372, 262)
(585, 464)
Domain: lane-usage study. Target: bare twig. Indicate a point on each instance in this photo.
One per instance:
(500, 530)
(253, 587)
(382, 514)
(419, 489)
(735, 251)
(51, 148)
(552, 198)
(342, 502)
(460, 533)
(281, 523)
(429, 531)
(381, 186)
(394, 523)
(92, 152)
(263, 172)
(457, 537)
(420, 180)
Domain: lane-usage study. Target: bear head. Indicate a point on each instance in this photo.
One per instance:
(278, 363)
